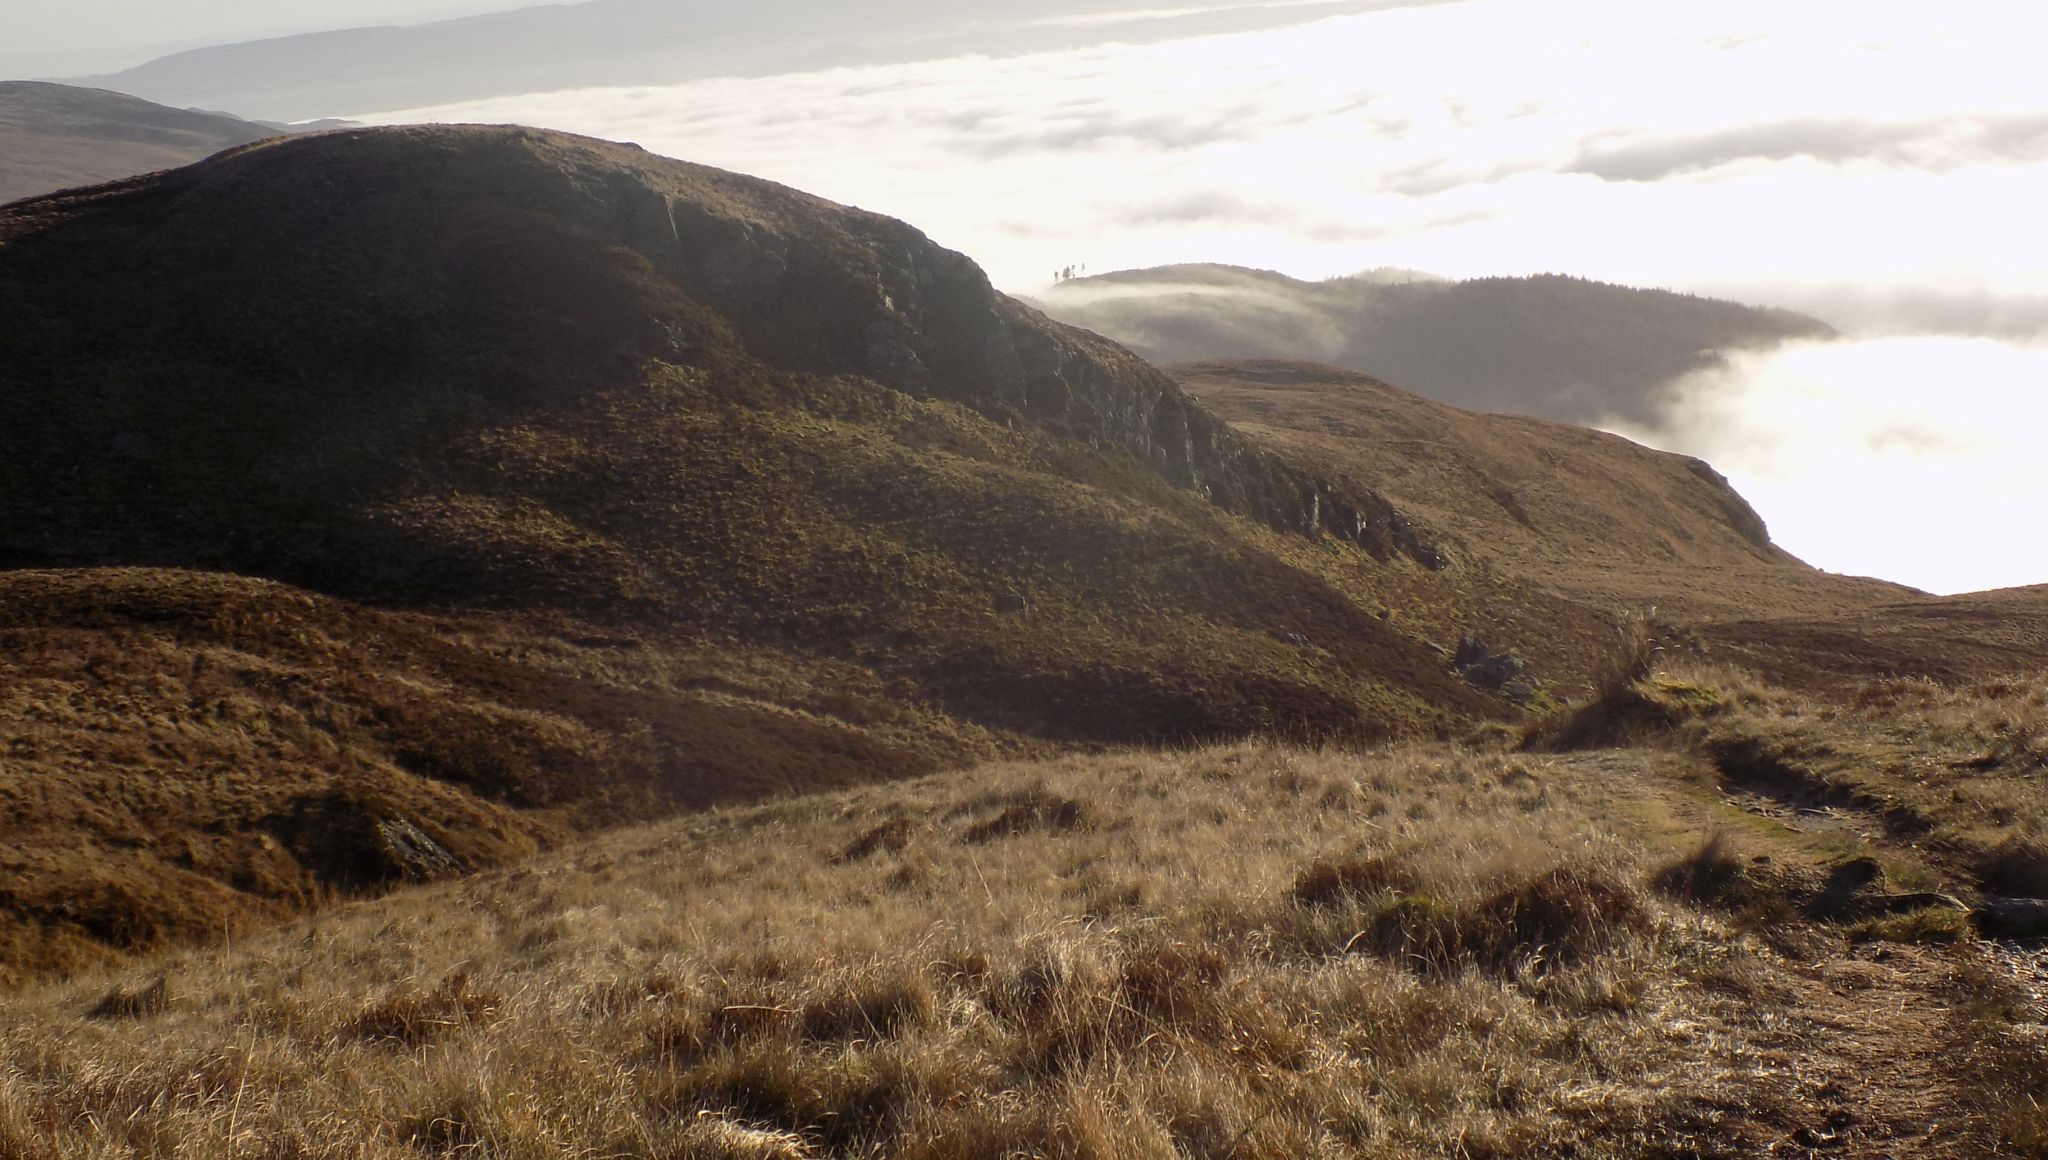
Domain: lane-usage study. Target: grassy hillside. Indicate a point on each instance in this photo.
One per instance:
(388, 506)
(1550, 346)
(513, 370)
(1250, 951)
(1587, 514)
(582, 484)
(59, 136)
(190, 756)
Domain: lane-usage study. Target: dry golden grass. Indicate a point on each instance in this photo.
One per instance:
(185, 755)
(1957, 772)
(1233, 952)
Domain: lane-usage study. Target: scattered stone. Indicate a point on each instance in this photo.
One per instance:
(1471, 651)
(417, 857)
(1519, 691)
(1911, 901)
(356, 845)
(1489, 670)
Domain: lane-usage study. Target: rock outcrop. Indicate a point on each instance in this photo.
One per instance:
(876, 296)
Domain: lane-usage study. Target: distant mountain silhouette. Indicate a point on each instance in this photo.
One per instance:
(1552, 347)
(643, 42)
(57, 136)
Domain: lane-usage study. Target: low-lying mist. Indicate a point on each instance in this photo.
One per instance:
(1551, 347)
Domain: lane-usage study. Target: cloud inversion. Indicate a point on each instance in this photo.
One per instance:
(1914, 459)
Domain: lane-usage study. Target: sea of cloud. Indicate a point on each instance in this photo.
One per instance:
(1915, 459)
(1881, 164)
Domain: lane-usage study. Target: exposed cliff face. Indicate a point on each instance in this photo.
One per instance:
(874, 295)
(1579, 511)
(1734, 509)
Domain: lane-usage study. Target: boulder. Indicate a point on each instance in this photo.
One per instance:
(2012, 917)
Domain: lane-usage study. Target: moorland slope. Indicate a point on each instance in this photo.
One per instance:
(386, 505)
(414, 476)
(1237, 951)
(1592, 516)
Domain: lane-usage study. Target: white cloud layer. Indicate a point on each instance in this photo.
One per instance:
(1655, 144)
(1914, 459)
(1883, 157)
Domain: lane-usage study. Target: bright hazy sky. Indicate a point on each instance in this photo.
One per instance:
(1882, 164)
(59, 37)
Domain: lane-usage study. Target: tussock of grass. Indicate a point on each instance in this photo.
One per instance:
(1929, 926)
(2000, 1034)
(416, 1017)
(892, 836)
(1036, 812)
(1632, 658)
(1625, 705)
(137, 1002)
(1713, 875)
(1566, 915)
(1352, 880)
